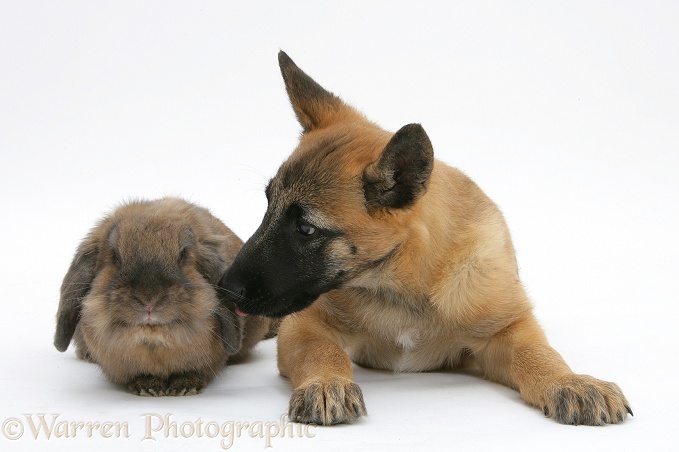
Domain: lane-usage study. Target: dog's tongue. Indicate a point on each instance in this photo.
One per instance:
(240, 313)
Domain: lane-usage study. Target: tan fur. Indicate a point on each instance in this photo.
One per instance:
(186, 338)
(448, 296)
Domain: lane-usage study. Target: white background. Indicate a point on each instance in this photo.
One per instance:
(565, 113)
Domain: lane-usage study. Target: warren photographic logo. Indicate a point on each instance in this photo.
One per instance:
(153, 427)
(50, 426)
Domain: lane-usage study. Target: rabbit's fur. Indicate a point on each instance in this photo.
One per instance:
(140, 298)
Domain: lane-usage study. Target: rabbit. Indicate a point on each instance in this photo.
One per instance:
(141, 300)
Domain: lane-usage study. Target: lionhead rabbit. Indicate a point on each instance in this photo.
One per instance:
(140, 299)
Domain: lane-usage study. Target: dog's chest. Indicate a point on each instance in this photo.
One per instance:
(395, 334)
(399, 340)
(407, 340)
(408, 350)
(409, 357)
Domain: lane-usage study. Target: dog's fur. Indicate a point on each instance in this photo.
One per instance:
(387, 257)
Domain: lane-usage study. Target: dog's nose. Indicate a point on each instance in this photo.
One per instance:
(231, 288)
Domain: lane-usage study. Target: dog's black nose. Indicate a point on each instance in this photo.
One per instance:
(231, 289)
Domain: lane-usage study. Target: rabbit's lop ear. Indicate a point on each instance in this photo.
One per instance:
(231, 329)
(211, 257)
(74, 288)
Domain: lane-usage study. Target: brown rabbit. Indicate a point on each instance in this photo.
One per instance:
(140, 299)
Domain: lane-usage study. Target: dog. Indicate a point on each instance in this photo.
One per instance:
(377, 253)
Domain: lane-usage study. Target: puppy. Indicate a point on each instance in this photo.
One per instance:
(387, 257)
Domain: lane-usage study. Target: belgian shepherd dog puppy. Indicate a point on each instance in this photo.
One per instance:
(381, 254)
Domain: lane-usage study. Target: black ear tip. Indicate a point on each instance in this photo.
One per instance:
(415, 132)
(414, 129)
(284, 61)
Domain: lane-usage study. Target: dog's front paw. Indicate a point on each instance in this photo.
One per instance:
(327, 402)
(581, 399)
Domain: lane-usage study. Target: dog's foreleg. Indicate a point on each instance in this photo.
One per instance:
(520, 357)
(309, 355)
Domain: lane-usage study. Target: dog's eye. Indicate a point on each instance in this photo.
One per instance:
(306, 229)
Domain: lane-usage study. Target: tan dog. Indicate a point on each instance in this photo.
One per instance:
(396, 261)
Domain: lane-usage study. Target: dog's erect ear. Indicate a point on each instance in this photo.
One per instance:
(75, 286)
(313, 105)
(402, 171)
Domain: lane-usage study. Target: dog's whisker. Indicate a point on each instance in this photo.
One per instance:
(232, 294)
